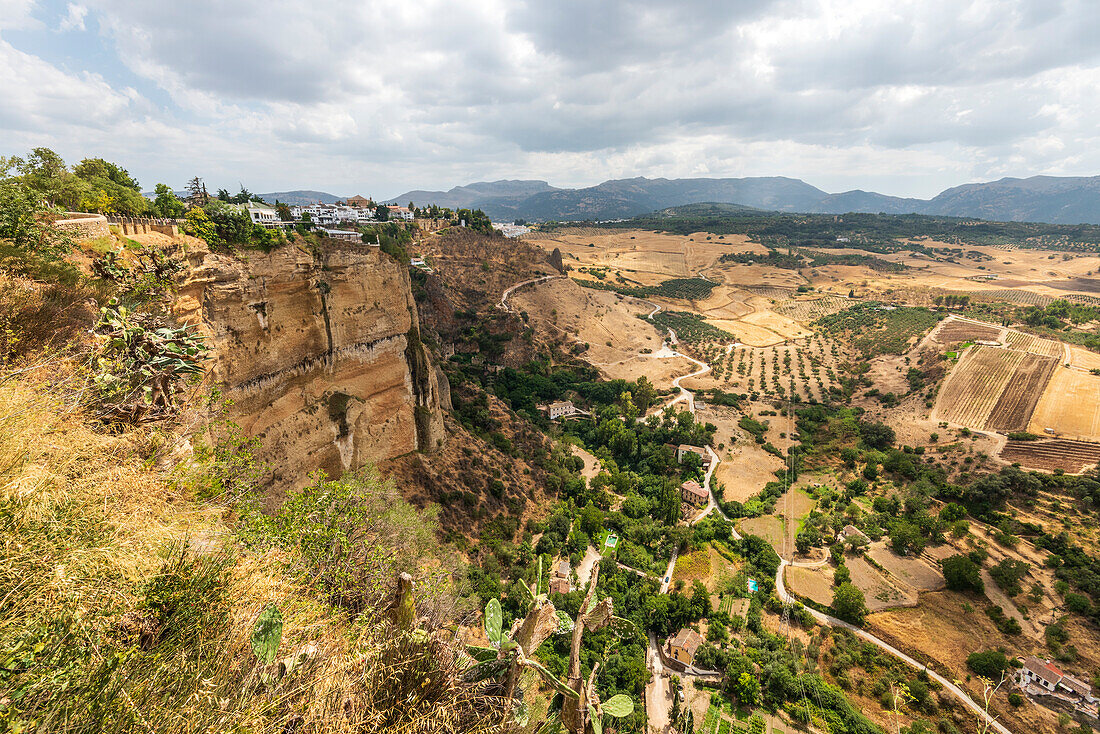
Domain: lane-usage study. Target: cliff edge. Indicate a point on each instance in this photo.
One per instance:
(319, 352)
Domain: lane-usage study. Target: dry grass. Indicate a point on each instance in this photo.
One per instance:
(85, 527)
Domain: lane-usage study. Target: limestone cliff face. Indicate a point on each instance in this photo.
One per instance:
(319, 353)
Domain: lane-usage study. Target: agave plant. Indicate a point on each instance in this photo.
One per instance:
(510, 654)
(139, 363)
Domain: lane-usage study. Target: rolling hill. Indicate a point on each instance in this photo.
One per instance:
(1058, 200)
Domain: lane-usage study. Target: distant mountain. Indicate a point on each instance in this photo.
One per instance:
(1059, 200)
(503, 193)
(1039, 198)
(300, 197)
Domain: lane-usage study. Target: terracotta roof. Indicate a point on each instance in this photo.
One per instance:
(688, 640)
(1046, 671)
(693, 487)
(689, 447)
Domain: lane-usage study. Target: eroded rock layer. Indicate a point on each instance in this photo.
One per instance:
(319, 354)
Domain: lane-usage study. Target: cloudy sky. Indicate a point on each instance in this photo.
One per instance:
(905, 97)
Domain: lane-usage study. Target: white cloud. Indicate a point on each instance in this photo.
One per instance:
(74, 18)
(908, 97)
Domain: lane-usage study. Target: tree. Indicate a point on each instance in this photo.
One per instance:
(45, 172)
(989, 664)
(849, 604)
(877, 435)
(962, 574)
(166, 204)
(21, 221)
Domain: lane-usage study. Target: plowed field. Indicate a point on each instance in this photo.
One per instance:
(955, 332)
(1016, 404)
(1070, 456)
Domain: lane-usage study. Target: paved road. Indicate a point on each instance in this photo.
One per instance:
(822, 618)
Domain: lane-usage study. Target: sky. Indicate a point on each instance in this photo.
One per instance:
(375, 98)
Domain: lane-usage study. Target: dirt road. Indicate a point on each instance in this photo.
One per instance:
(822, 618)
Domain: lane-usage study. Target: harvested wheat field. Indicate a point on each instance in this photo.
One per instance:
(915, 572)
(745, 469)
(879, 591)
(768, 527)
(811, 583)
(1070, 406)
(1084, 359)
(654, 254)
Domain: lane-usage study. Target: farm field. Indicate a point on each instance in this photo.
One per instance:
(1025, 386)
(1083, 358)
(811, 309)
(1069, 456)
(955, 331)
(912, 571)
(880, 592)
(976, 384)
(811, 583)
(1070, 405)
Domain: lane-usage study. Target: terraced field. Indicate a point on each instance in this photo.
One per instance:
(1069, 456)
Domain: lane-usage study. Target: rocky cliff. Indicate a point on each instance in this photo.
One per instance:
(319, 353)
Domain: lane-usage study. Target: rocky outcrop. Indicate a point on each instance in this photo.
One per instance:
(319, 354)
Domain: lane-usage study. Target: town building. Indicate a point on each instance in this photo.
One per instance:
(262, 214)
(399, 212)
(1047, 676)
(693, 493)
(358, 202)
(343, 234)
(684, 449)
(559, 582)
(684, 645)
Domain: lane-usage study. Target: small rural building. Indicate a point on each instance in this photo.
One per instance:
(693, 493)
(560, 409)
(851, 531)
(684, 449)
(684, 645)
(1046, 675)
(559, 582)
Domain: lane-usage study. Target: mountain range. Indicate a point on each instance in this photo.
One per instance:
(1058, 200)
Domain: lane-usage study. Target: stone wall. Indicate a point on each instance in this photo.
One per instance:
(145, 225)
(83, 226)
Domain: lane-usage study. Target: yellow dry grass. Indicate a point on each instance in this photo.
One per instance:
(1070, 405)
(86, 523)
